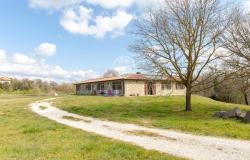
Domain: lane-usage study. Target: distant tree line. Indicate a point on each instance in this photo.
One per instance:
(36, 87)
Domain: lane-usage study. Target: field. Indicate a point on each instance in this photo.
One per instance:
(161, 112)
(27, 136)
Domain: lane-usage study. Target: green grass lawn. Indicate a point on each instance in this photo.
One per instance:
(161, 112)
(26, 136)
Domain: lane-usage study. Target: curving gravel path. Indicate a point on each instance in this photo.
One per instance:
(167, 141)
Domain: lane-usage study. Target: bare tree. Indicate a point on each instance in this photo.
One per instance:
(237, 42)
(111, 73)
(181, 39)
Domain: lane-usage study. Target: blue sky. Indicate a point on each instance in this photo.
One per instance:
(67, 40)
(26, 24)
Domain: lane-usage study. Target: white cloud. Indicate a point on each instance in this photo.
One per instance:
(79, 23)
(22, 66)
(46, 49)
(45, 72)
(20, 58)
(53, 4)
(2, 56)
(109, 4)
(247, 5)
(115, 24)
(83, 21)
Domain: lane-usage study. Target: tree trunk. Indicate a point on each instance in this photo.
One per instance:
(246, 99)
(188, 100)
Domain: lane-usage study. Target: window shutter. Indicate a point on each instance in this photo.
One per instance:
(154, 88)
(146, 88)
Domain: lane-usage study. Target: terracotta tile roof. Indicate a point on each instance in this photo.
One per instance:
(136, 77)
(124, 77)
(4, 78)
(101, 79)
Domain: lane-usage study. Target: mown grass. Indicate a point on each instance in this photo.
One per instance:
(161, 112)
(27, 136)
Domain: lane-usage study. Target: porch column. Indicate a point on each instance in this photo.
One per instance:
(123, 87)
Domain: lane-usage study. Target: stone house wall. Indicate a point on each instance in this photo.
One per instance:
(134, 88)
(173, 91)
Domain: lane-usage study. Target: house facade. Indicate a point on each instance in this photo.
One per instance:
(130, 85)
(4, 79)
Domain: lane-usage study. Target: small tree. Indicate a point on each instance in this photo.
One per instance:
(181, 39)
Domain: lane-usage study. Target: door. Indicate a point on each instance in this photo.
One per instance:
(151, 88)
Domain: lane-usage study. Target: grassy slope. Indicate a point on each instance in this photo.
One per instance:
(25, 135)
(162, 112)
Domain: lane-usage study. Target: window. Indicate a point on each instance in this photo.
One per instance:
(117, 85)
(179, 86)
(88, 87)
(166, 85)
(100, 86)
(78, 87)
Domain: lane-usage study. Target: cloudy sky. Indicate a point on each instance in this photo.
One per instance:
(68, 40)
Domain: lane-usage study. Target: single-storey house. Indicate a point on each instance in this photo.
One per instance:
(130, 85)
(4, 79)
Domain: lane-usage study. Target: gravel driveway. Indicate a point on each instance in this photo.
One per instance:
(167, 141)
